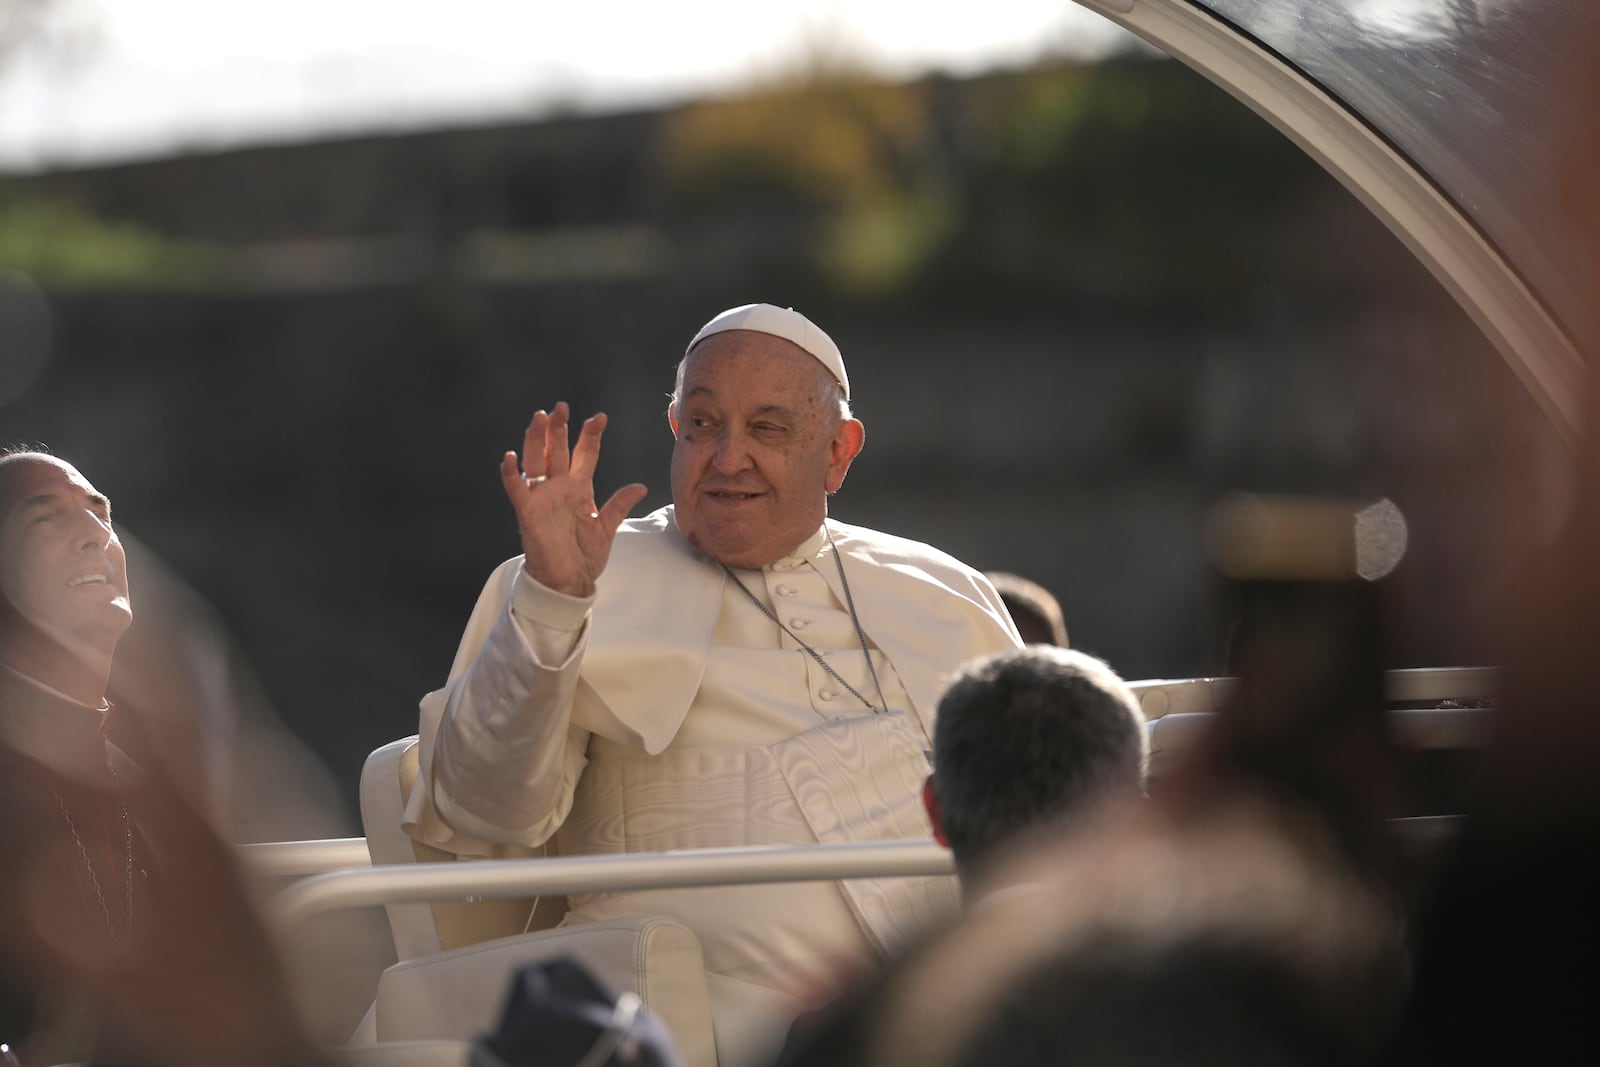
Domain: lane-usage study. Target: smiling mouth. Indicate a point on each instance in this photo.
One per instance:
(89, 579)
(728, 494)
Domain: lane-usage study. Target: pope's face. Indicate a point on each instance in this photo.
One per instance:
(760, 444)
(61, 564)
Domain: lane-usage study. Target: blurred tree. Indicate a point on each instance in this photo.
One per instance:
(833, 171)
(1128, 181)
(60, 246)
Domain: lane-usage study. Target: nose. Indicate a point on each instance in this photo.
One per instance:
(92, 532)
(731, 455)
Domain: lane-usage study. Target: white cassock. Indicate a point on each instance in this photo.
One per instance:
(669, 712)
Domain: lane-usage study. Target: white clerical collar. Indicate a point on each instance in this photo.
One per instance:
(807, 550)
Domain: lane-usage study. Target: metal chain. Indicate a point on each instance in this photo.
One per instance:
(882, 705)
(850, 603)
(83, 854)
(127, 840)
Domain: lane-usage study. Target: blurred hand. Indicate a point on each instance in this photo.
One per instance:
(566, 540)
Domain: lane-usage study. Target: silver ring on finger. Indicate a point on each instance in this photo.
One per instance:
(534, 479)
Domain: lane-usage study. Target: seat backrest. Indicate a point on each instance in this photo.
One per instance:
(405, 1054)
(386, 780)
(1172, 736)
(1450, 709)
(420, 929)
(457, 994)
(1417, 686)
(1437, 717)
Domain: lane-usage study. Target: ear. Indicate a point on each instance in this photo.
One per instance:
(847, 444)
(672, 417)
(930, 803)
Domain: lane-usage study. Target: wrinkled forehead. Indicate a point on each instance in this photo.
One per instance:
(28, 475)
(760, 363)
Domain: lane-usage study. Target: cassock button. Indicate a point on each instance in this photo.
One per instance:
(797, 624)
(784, 590)
(825, 694)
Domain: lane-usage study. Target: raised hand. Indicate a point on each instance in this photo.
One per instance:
(565, 538)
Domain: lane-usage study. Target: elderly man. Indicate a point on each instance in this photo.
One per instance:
(735, 669)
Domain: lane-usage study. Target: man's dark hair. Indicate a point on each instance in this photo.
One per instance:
(1033, 608)
(1030, 735)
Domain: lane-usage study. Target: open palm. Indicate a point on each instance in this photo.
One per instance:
(566, 540)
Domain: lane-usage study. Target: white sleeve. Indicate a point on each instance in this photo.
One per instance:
(499, 758)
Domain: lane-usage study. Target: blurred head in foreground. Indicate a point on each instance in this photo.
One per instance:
(1233, 935)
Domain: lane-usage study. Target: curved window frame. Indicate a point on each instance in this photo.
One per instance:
(1442, 237)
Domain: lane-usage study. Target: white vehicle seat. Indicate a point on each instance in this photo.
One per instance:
(1179, 711)
(421, 929)
(460, 993)
(1439, 717)
(456, 960)
(406, 1054)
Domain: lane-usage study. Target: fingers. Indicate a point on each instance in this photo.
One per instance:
(622, 501)
(511, 477)
(556, 456)
(545, 449)
(533, 439)
(587, 453)
(544, 442)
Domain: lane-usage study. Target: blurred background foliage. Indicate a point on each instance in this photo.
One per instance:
(1120, 181)
(61, 245)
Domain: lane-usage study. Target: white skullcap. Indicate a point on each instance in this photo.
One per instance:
(786, 323)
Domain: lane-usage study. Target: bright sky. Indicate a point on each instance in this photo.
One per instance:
(114, 79)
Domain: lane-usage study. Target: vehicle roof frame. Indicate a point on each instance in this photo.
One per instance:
(1541, 354)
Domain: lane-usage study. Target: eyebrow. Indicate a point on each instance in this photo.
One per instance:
(98, 499)
(765, 409)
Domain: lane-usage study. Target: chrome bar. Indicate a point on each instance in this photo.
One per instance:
(490, 879)
(1418, 684)
(1428, 829)
(405, 883)
(276, 859)
(1413, 728)
(1440, 728)
(1159, 697)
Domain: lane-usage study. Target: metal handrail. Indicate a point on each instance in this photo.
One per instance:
(1159, 697)
(494, 879)
(486, 879)
(1412, 728)
(279, 859)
